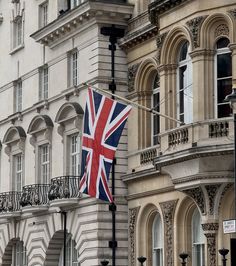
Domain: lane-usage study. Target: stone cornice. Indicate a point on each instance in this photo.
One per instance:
(139, 36)
(159, 7)
(140, 174)
(192, 153)
(73, 21)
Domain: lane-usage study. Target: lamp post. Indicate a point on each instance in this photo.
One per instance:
(231, 98)
(223, 252)
(183, 257)
(141, 260)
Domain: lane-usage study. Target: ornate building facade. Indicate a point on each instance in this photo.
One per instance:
(48, 50)
(181, 63)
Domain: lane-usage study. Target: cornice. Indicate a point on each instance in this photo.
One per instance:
(140, 174)
(159, 7)
(192, 153)
(137, 37)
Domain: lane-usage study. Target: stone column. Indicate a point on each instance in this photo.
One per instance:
(133, 213)
(210, 231)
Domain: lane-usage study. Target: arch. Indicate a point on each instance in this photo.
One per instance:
(39, 123)
(145, 73)
(214, 27)
(143, 84)
(68, 111)
(14, 133)
(54, 249)
(144, 229)
(172, 43)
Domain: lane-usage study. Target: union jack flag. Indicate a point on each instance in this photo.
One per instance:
(104, 120)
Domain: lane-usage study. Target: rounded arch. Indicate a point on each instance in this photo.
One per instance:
(39, 123)
(68, 111)
(144, 229)
(184, 213)
(214, 27)
(172, 43)
(145, 75)
(14, 133)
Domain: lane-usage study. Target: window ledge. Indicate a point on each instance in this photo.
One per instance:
(16, 49)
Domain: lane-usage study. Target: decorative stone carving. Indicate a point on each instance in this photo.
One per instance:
(194, 26)
(211, 248)
(197, 195)
(233, 13)
(222, 29)
(133, 213)
(168, 209)
(212, 191)
(159, 41)
(210, 226)
(132, 71)
(223, 193)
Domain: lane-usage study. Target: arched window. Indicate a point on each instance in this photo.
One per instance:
(19, 257)
(197, 240)
(156, 107)
(157, 241)
(223, 77)
(185, 92)
(71, 253)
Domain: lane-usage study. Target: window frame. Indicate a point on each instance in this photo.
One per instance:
(73, 68)
(187, 109)
(43, 14)
(16, 172)
(19, 254)
(155, 92)
(157, 248)
(74, 169)
(72, 252)
(18, 96)
(44, 177)
(220, 51)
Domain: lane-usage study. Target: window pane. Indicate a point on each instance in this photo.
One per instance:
(224, 88)
(224, 65)
(222, 43)
(183, 51)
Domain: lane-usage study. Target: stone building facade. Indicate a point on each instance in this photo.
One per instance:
(181, 63)
(48, 50)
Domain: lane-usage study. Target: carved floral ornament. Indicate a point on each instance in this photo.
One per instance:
(133, 213)
(132, 71)
(222, 30)
(195, 26)
(159, 42)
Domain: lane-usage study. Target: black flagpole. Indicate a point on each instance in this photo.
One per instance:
(113, 34)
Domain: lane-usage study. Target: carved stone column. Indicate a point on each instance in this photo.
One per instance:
(210, 231)
(133, 213)
(168, 209)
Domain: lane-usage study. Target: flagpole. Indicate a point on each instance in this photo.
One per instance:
(150, 110)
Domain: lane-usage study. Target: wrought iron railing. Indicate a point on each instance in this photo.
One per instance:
(10, 201)
(64, 187)
(36, 194)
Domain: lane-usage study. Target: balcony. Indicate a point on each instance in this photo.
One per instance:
(9, 204)
(64, 191)
(35, 198)
(197, 153)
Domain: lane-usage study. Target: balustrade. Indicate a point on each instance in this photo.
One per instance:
(9, 201)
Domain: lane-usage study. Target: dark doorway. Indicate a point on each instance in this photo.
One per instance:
(233, 251)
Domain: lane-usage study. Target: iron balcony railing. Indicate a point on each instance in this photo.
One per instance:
(64, 187)
(36, 194)
(10, 201)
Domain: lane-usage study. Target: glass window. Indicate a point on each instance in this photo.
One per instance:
(74, 68)
(157, 241)
(17, 172)
(185, 93)
(75, 3)
(75, 155)
(156, 107)
(19, 254)
(223, 77)
(71, 253)
(43, 15)
(44, 163)
(198, 240)
(18, 96)
(43, 83)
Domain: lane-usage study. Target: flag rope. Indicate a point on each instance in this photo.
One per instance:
(150, 110)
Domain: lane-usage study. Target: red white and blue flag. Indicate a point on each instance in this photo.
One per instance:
(104, 120)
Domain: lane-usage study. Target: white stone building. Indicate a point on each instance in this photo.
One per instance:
(48, 49)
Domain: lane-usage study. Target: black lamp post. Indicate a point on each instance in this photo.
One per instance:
(141, 260)
(104, 262)
(183, 257)
(223, 252)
